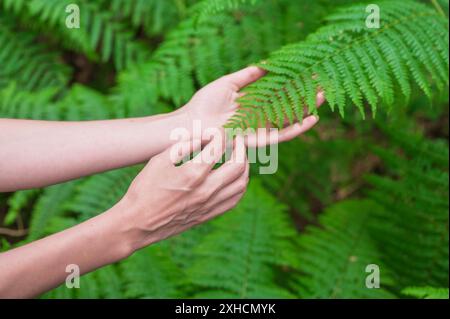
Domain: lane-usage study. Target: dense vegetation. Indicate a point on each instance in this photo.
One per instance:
(351, 193)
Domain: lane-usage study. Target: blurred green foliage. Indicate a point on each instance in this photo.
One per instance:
(350, 193)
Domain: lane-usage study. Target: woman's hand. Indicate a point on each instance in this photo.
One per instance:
(214, 104)
(165, 199)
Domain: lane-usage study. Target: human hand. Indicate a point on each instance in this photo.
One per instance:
(165, 199)
(214, 104)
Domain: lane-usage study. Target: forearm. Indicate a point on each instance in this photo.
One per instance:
(40, 153)
(37, 267)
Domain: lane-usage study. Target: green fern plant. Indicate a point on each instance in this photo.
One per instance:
(77, 103)
(194, 54)
(244, 250)
(16, 103)
(351, 62)
(207, 8)
(334, 257)
(426, 292)
(100, 36)
(99, 193)
(105, 283)
(412, 223)
(261, 248)
(27, 62)
(151, 273)
(154, 16)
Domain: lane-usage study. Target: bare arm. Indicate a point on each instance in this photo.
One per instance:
(40, 153)
(163, 200)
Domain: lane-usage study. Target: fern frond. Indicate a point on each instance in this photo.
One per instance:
(336, 157)
(26, 61)
(412, 228)
(154, 16)
(17, 202)
(333, 258)
(426, 292)
(352, 63)
(206, 8)
(100, 36)
(78, 103)
(49, 205)
(244, 250)
(102, 283)
(15, 103)
(150, 273)
(100, 192)
(81, 103)
(194, 55)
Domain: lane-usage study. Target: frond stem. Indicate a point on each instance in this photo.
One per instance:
(438, 8)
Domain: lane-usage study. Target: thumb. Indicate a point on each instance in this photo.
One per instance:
(244, 77)
(177, 152)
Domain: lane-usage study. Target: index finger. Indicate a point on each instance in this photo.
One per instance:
(246, 76)
(210, 155)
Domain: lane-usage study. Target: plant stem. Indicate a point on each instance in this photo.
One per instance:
(438, 7)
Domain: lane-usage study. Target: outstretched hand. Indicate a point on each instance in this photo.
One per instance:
(165, 199)
(217, 102)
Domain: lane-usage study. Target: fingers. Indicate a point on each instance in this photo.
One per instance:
(181, 150)
(173, 154)
(320, 98)
(265, 137)
(237, 167)
(297, 129)
(245, 76)
(197, 169)
(222, 207)
(237, 186)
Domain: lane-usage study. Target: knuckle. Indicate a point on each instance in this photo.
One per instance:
(211, 191)
(159, 160)
(202, 198)
(253, 73)
(193, 174)
(155, 159)
(241, 168)
(242, 185)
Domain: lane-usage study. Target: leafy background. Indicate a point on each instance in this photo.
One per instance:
(350, 193)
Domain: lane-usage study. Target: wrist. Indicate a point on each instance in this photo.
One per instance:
(182, 118)
(115, 224)
(129, 231)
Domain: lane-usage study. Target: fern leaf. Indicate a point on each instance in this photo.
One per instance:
(194, 55)
(26, 61)
(154, 16)
(350, 61)
(208, 8)
(411, 225)
(100, 192)
(18, 201)
(49, 205)
(15, 103)
(150, 273)
(100, 36)
(244, 250)
(333, 258)
(426, 292)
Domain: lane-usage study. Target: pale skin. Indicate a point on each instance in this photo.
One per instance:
(163, 200)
